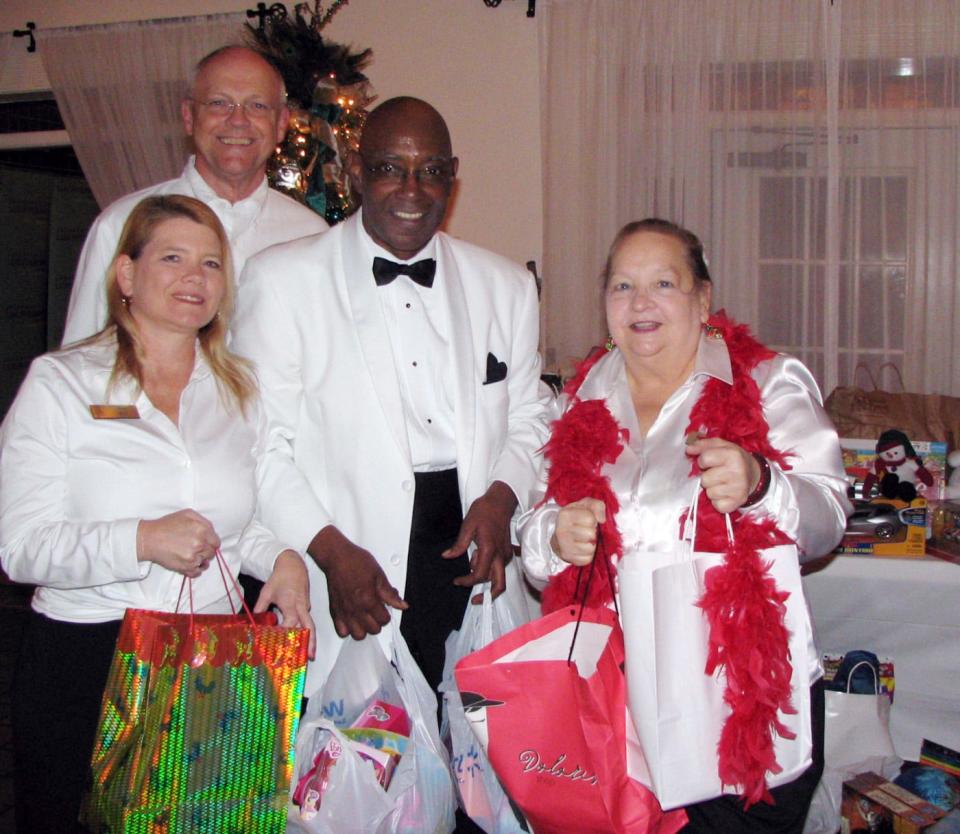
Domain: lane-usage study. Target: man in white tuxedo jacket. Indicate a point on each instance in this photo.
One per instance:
(405, 403)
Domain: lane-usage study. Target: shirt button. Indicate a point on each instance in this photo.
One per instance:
(395, 559)
(407, 486)
(414, 364)
(407, 305)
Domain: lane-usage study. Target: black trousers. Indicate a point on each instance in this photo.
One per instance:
(725, 814)
(436, 604)
(55, 708)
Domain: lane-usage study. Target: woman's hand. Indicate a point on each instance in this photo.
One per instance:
(728, 473)
(575, 539)
(183, 542)
(289, 589)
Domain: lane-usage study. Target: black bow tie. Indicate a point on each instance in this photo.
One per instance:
(421, 272)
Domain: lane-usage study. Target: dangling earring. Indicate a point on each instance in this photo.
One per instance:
(609, 344)
(712, 332)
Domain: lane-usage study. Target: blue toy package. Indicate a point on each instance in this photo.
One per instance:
(931, 784)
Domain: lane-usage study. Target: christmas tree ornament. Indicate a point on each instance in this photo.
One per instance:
(327, 94)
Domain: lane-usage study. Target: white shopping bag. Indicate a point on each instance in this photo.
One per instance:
(678, 710)
(856, 739)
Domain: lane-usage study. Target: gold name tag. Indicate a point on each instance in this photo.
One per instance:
(114, 412)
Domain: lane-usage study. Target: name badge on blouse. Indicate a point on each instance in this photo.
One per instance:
(114, 412)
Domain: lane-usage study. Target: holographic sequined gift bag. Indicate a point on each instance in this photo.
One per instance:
(197, 725)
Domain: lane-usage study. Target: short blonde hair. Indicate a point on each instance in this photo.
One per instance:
(232, 373)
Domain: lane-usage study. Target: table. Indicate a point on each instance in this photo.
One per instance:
(906, 609)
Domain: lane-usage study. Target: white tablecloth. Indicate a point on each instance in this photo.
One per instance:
(905, 609)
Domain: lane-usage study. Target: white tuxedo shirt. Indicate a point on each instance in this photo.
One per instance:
(264, 218)
(308, 315)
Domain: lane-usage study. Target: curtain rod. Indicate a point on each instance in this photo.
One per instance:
(31, 27)
(531, 6)
(27, 33)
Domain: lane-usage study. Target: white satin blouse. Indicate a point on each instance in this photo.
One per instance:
(651, 477)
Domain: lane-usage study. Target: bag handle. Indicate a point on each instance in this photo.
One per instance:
(486, 613)
(690, 525)
(869, 665)
(863, 366)
(224, 573)
(896, 370)
(601, 554)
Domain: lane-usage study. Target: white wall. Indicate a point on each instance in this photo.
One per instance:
(479, 66)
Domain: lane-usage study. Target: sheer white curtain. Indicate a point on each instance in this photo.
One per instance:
(812, 146)
(119, 87)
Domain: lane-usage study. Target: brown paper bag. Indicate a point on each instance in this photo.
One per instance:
(861, 413)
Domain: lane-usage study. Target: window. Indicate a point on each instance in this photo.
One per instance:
(45, 211)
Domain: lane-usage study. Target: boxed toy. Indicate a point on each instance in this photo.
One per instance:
(884, 527)
(872, 804)
(891, 481)
(891, 466)
(940, 756)
(945, 530)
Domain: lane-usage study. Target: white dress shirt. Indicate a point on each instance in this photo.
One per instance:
(74, 488)
(264, 218)
(418, 324)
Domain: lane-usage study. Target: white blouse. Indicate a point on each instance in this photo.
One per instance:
(73, 488)
(651, 477)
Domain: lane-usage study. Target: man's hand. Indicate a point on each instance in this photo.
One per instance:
(289, 589)
(488, 525)
(358, 587)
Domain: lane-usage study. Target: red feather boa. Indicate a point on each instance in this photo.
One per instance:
(743, 606)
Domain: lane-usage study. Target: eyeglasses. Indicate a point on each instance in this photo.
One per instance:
(225, 108)
(435, 172)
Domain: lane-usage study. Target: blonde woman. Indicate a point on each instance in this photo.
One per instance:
(126, 461)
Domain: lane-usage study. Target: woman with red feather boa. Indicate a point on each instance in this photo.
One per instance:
(675, 395)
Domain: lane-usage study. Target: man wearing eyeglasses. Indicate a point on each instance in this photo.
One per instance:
(400, 374)
(236, 113)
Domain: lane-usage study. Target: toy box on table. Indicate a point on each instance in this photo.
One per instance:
(872, 804)
(888, 520)
(945, 530)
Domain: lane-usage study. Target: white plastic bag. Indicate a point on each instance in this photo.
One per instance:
(420, 796)
(481, 795)
(482, 624)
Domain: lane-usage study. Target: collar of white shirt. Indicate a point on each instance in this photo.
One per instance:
(102, 354)
(236, 217)
(713, 359)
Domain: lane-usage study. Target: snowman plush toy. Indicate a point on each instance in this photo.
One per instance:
(898, 469)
